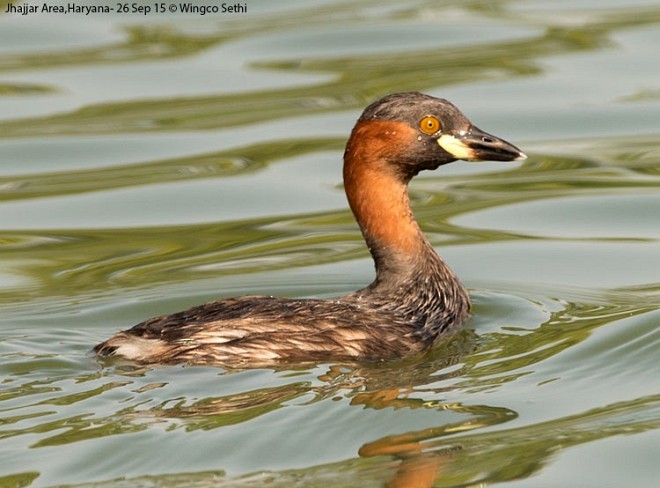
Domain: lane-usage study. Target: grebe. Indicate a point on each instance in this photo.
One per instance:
(415, 298)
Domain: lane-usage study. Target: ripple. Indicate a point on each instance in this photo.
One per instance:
(579, 217)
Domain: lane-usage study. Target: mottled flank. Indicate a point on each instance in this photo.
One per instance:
(368, 325)
(415, 298)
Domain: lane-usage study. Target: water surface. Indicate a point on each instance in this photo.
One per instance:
(153, 163)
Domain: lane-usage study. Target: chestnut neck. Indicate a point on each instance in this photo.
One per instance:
(377, 193)
(411, 279)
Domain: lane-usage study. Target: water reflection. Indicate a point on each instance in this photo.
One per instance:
(437, 456)
(424, 456)
(464, 416)
(50, 411)
(75, 262)
(357, 78)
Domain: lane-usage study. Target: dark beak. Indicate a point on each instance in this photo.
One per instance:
(477, 145)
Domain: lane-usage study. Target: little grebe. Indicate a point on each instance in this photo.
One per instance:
(415, 298)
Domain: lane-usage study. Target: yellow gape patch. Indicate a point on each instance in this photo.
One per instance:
(456, 148)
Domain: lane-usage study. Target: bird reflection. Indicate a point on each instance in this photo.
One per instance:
(419, 458)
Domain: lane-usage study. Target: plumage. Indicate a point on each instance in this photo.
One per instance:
(415, 298)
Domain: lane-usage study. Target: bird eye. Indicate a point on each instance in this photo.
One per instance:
(429, 125)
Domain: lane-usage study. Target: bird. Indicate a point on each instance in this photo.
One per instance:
(415, 299)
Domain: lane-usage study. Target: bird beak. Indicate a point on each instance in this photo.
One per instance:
(477, 145)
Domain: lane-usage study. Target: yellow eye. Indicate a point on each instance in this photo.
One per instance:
(429, 125)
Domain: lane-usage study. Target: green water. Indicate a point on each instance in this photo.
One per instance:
(151, 163)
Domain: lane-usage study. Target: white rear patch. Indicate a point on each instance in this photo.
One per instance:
(138, 348)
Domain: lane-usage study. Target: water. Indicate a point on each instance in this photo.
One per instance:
(151, 163)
